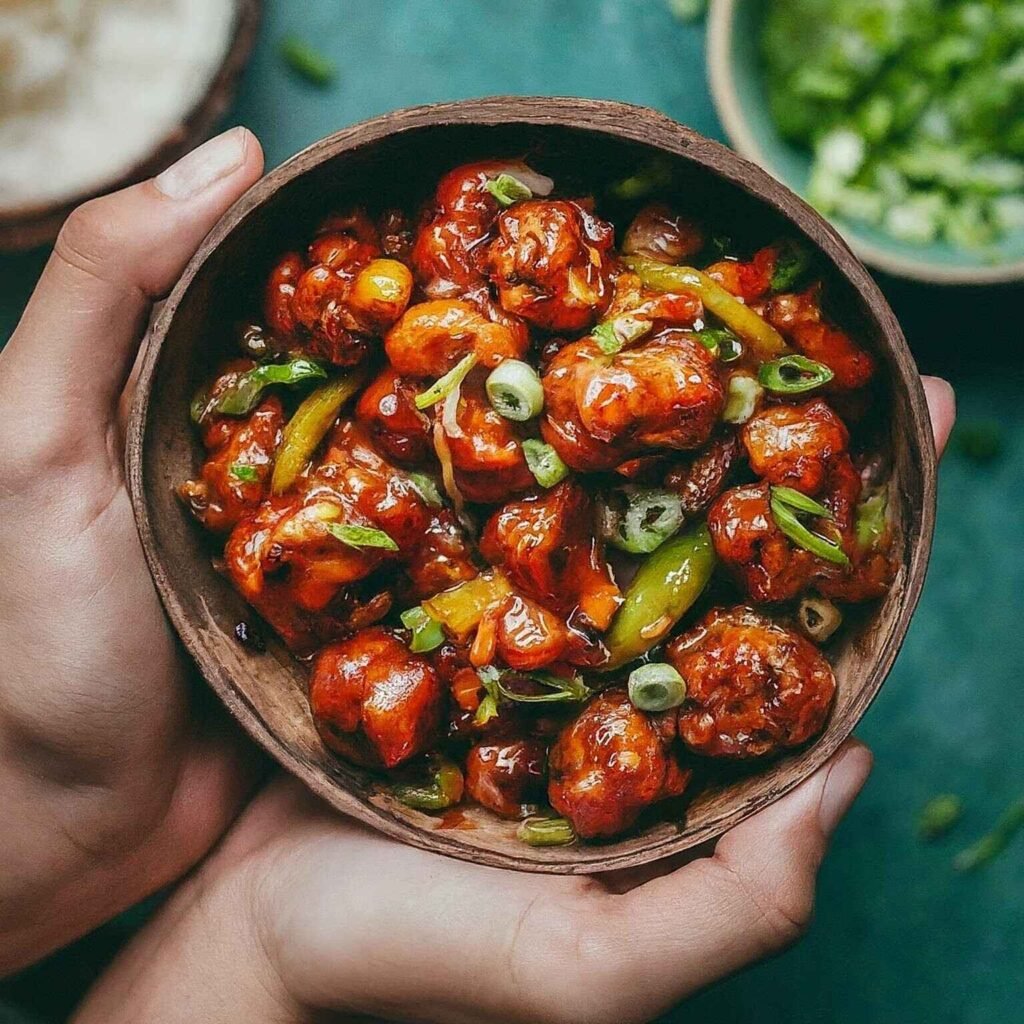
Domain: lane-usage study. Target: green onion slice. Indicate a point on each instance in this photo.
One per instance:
(425, 487)
(870, 521)
(793, 375)
(938, 816)
(304, 60)
(989, 846)
(427, 633)
(442, 790)
(613, 335)
(515, 391)
(742, 396)
(721, 343)
(785, 503)
(508, 189)
(792, 263)
(362, 536)
(544, 462)
(242, 395)
(444, 386)
(247, 474)
(546, 832)
(648, 520)
(560, 690)
(656, 687)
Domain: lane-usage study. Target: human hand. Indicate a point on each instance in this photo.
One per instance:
(109, 788)
(301, 913)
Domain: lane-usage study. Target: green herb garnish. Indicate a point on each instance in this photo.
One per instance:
(361, 536)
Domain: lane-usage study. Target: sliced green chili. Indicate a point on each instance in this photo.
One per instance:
(793, 375)
(662, 591)
(792, 264)
(648, 520)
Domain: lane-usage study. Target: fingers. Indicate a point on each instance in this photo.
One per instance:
(942, 406)
(68, 359)
(751, 898)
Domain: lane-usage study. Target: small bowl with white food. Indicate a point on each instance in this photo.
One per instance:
(97, 94)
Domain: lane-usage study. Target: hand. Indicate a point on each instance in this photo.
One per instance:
(300, 911)
(109, 788)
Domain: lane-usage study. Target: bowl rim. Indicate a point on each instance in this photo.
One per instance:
(627, 122)
(27, 227)
(725, 96)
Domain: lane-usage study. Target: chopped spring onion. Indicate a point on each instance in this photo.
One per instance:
(443, 788)
(742, 396)
(722, 344)
(427, 633)
(425, 487)
(309, 425)
(656, 687)
(307, 62)
(558, 689)
(247, 474)
(546, 832)
(515, 391)
(980, 440)
(655, 176)
(938, 816)
(612, 335)
(792, 264)
(507, 189)
(785, 504)
(989, 846)
(819, 618)
(763, 339)
(870, 522)
(444, 386)
(544, 462)
(793, 375)
(487, 710)
(649, 518)
(241, 396)
(361, 536)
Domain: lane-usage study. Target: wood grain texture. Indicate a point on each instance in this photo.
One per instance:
(29, 227)
(394, 160)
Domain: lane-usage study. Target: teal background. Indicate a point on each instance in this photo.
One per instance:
(899, 937)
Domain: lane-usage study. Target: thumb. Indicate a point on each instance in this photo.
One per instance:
(754, 895)
(66, 363)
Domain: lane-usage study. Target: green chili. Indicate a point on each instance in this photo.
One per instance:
(656, 687)
(648, 520)
(663, 589)
(938, 816)
(785, 504)
(427, 633)
(442, 789)
(546, 832)
(793, 375)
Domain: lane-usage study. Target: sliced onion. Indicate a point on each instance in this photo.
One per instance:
(450, 413)
(538, 184)
(444, 456)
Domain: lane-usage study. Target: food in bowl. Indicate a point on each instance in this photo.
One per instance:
(914, 111)
(559, 524)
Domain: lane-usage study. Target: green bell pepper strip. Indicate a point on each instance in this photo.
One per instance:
(663, 590)
(308, 427)
(765, 342)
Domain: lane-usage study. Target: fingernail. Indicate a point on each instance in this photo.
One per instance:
(199, 169)
(844, 781)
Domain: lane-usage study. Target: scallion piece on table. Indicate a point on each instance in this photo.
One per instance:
(656, 687)
(515, 391)
(989, 846)
(508, 189)
(793, 375)
(938, 816)
(544, 462)
(307, 62)
(546, 832)
(362, 536)
(444, 386)
(786, 504)
(427, 634)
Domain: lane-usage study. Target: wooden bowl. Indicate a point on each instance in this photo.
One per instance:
(28, 227)
(396, 159)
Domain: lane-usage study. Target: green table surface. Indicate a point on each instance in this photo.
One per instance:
(899, 936)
